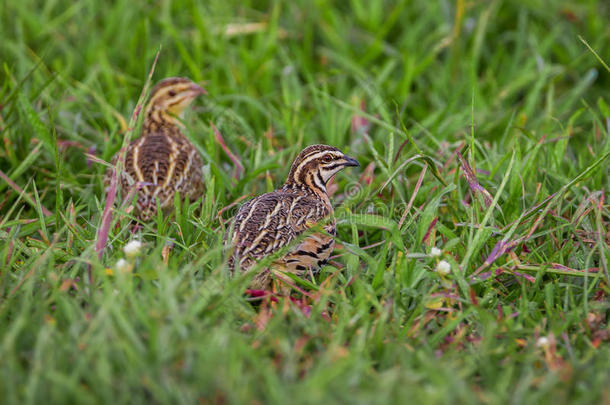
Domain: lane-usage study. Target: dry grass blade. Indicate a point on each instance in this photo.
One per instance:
(473, 183)
(91, 157)
(412, 199)
(238, 29)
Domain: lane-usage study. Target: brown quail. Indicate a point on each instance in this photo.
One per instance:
(271, 221)
(162, 161)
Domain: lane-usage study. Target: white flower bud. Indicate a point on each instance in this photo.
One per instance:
(435, 252)
(543, 342)
(443, 268)
(123, 266)
(132, 249)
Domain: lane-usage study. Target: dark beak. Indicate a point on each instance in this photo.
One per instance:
(197, 90)
(349, 161)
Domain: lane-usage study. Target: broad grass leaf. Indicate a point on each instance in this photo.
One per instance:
(377, 221)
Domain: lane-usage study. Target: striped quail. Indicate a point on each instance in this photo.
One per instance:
(163, 161)
(271, 221)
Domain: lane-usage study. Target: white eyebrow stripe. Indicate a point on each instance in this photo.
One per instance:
(312, 157)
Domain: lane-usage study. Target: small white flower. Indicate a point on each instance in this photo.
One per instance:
(123, 266)
(132, 249)
(435, 252)
(443, 268)
(543, 342)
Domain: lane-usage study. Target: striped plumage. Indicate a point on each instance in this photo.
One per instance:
(271, 221)
(163, 161)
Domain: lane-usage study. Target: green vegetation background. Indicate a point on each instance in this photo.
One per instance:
(518, 87)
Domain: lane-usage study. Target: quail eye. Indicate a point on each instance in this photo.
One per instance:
(327, 158)
(171, 93)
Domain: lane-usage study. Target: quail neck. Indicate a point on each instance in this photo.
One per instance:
(168, 100)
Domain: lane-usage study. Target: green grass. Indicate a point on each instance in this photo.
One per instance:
(518, 88)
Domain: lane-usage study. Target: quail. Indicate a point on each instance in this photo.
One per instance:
(163, 161)
(272, 221)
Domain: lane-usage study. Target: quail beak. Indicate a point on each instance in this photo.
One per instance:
(349, 161)
(196, 90)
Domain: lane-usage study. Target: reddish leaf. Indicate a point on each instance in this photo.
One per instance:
(239, 168)
(360, 125)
